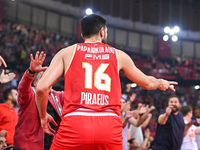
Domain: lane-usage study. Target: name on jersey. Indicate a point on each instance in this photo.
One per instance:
(94, 98)
(88, 49)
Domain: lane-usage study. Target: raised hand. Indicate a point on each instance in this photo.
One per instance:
(152, 108)
(3, 132)
(147, 133)
(167, 85)
(36, 64)
(143, 109)
(169, 110)
(4, 78)
(130, 114)
(2, 61)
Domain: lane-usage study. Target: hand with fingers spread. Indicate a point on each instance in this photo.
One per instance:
(164, 85)
(130, 114)
(45, 124)
(2, 61)
(36, 64)
(4, 78)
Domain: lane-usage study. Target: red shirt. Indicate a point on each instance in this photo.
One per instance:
(29, 134)
(8, 121)
(92, 79)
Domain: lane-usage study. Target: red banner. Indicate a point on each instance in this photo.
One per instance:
(164, 48)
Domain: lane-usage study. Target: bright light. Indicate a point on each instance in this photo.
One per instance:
(176, 29)
(165, 38)
(172, 32)
(172, 86)
(174, 38)
(167, 29)
(133, 85)
(196, 87)
(88, 11)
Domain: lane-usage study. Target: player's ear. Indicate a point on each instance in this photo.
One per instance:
(102, 32)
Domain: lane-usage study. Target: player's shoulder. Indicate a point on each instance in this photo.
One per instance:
(71, 47)
(67, 50)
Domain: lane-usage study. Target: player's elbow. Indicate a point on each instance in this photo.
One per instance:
(41, 88)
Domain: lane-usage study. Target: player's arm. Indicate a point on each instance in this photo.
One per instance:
(134, 74)
(50, 77)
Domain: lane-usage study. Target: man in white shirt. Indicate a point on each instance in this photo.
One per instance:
(189, 140)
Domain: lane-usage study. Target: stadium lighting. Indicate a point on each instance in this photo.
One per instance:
(171, 33)
(165, 38)
(88, 11)
(167, 29)
(176, 29)
(196, 87)
(174, 38)
(133, 85)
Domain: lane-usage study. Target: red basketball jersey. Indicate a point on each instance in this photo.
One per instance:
(92, 79)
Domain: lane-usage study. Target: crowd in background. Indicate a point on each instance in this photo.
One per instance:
(18, 41)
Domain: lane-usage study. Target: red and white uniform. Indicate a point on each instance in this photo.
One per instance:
(92, 100)
(189, 141)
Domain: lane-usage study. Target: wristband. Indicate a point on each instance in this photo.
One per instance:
(30, 71)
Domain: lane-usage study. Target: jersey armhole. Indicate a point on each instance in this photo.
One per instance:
(71, 58)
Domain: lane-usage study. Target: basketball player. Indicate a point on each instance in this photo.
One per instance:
(90, 117)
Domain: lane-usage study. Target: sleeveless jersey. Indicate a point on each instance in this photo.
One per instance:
(92, 79)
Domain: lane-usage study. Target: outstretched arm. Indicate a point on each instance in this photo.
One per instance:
(163, 117)
(134, 74)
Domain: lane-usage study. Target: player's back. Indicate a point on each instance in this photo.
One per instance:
(92, 79)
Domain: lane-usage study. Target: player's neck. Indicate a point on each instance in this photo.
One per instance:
(93, 39)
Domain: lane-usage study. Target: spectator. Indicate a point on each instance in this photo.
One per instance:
(8, 115)
(29, 134)
(127, 117)
(136, 132)
(170, 128)
(3, 142)
(189, 140)
(144, 146)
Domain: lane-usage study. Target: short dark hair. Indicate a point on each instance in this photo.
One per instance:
(185, 109)
(91, 25)
(172, 96)
(7, 92)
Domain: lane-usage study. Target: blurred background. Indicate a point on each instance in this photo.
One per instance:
(161, 36)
